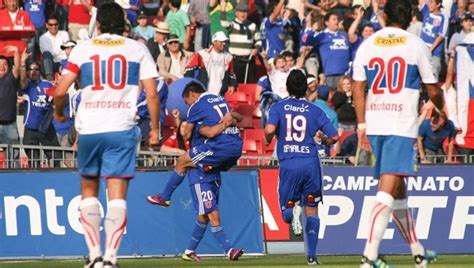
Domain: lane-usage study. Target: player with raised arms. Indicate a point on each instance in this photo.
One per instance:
(391, 64)
(295, 122)
(110, 68)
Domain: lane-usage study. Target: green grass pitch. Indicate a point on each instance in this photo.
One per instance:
(262, 261)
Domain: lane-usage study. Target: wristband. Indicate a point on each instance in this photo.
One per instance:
(361, 126)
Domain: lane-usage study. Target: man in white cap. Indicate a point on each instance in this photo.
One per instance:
(157, 44)
(214, 67)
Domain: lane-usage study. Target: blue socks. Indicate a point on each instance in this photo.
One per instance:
(219, 234)
(198, 233)
(173, 183)
(312, 232)
(287, 215)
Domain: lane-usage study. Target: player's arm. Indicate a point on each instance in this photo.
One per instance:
(269, 133)
(226, 121)
(435, 94)
(188, 131)
(65, 82)
(153, 105)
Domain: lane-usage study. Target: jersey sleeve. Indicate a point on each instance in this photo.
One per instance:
(195, 114)
(74, 61)
(147, 64)
(273, 117)
(424, 60)
(358, 65)
(325, 125)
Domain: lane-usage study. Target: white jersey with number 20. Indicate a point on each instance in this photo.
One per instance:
(394, 63)
(110, 68)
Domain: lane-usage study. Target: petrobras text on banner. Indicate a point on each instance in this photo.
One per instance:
(39, 215)
(441, 199)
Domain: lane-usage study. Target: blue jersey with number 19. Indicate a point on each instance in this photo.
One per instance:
(208, 111)
(297, 122)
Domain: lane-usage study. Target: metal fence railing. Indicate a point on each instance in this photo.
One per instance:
(35, 157)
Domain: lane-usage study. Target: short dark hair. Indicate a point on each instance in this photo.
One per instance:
(193, 87)
(398, 13)
(175, 3)
(111, 18)
(52, 16)
(296, 83)
(329, 14)
(287, 54)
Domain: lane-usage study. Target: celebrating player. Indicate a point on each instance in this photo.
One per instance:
(110, 68)
(295, 122)
(391, 63)
(216, 147)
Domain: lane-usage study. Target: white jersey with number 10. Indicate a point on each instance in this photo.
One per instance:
(110, 69)
(394, 63)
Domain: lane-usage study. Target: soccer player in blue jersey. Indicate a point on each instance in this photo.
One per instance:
(295, 122)
(216, 147)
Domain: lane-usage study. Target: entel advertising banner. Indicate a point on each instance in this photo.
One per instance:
(39, 215)
(441, 199)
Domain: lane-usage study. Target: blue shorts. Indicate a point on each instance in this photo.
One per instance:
(394, 155)
(205, 196)
(109, 155)
(214, 155)
(300, 180)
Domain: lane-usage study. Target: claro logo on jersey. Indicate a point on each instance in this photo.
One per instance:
(108, 42)
(348, 201)
(390, 41)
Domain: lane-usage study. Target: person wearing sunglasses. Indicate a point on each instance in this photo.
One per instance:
(171, 64)
(50, 45)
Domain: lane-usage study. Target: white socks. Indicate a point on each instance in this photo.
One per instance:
(378, 224)
(90, 219)
(115, 222)
(404, 220)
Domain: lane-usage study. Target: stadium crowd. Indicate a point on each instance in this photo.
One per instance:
(232, 46)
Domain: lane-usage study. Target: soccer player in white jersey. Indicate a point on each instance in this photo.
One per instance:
(392, 64)
(110, 68)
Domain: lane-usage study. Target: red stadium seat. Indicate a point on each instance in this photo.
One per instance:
(237, 98)
(250, 90)
(247, 122)
(3, 161)
(258, 133)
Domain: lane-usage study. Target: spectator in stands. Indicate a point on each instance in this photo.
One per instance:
(434, 31)
(214, 67)
(133, 11)
(244, 41)
(172, 63)
(365, 31)
(61, 9)
(275, 33)
(37, 98)
(456, 39)
(323, 92)
(345, 86)
(179, 23)
(8, 96)
(334, 50)
(198, 11)
(344, 110)
(79, 16)
(145, 31)
(13, 17)
(215, 7)
(311, 94)
(36, 11)
(374, 13)
(50, 46)
(416, 24)
(307, 35)
(175, 143)
(431, 135)
(157, 44)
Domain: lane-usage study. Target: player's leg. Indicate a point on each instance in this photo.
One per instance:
(312, 232)
(88, 159)
(406, 225)
(163, 199)
(91, 219)
(115, 218)
(198, 233)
